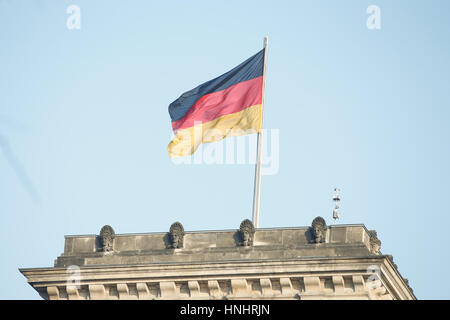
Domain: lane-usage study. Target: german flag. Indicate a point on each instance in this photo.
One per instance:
(229, 105)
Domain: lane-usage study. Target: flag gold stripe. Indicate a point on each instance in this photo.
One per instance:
(186, 141)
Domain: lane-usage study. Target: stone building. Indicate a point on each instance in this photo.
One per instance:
(316, 262)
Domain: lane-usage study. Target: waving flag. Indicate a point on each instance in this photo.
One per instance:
(229, 105)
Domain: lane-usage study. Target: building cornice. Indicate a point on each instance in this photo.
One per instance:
(317, 262)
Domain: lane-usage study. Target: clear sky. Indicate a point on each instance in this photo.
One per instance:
(84, 125)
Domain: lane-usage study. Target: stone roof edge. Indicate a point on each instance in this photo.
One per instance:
(119, 266)
(219, 230)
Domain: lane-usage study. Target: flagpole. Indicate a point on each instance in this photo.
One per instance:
(257, 187)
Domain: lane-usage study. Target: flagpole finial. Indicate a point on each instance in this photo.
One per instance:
(336, 199)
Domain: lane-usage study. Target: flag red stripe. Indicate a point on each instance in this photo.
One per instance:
(233, 99)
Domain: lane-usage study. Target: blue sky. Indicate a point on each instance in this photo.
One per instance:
(84, 125)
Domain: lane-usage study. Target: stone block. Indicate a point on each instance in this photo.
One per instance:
(125, 243)
(53, 293)
(286, 287)
(239, 287)
(168, 289)
(338, 234)
(266, 286)
(142, 290)
(338, 283)
(199, 240)
(97, 292)
(150, 242)
(68, 245)
(355, 234)
(268, 237)
(214, 288)
(84, 244)
(194, 288)
(312, 283)
(358, 283)
(225, 239)
(122, 289)
(294, 237)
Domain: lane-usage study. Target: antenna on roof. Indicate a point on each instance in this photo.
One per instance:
(336, 199)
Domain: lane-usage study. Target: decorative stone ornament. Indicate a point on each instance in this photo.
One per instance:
(407, 284)
(391, 258)
(246, 233)
(319, 230)
(375, 243)
(107, 236)
(176, 235)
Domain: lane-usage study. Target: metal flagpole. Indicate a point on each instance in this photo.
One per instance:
(257, 188)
